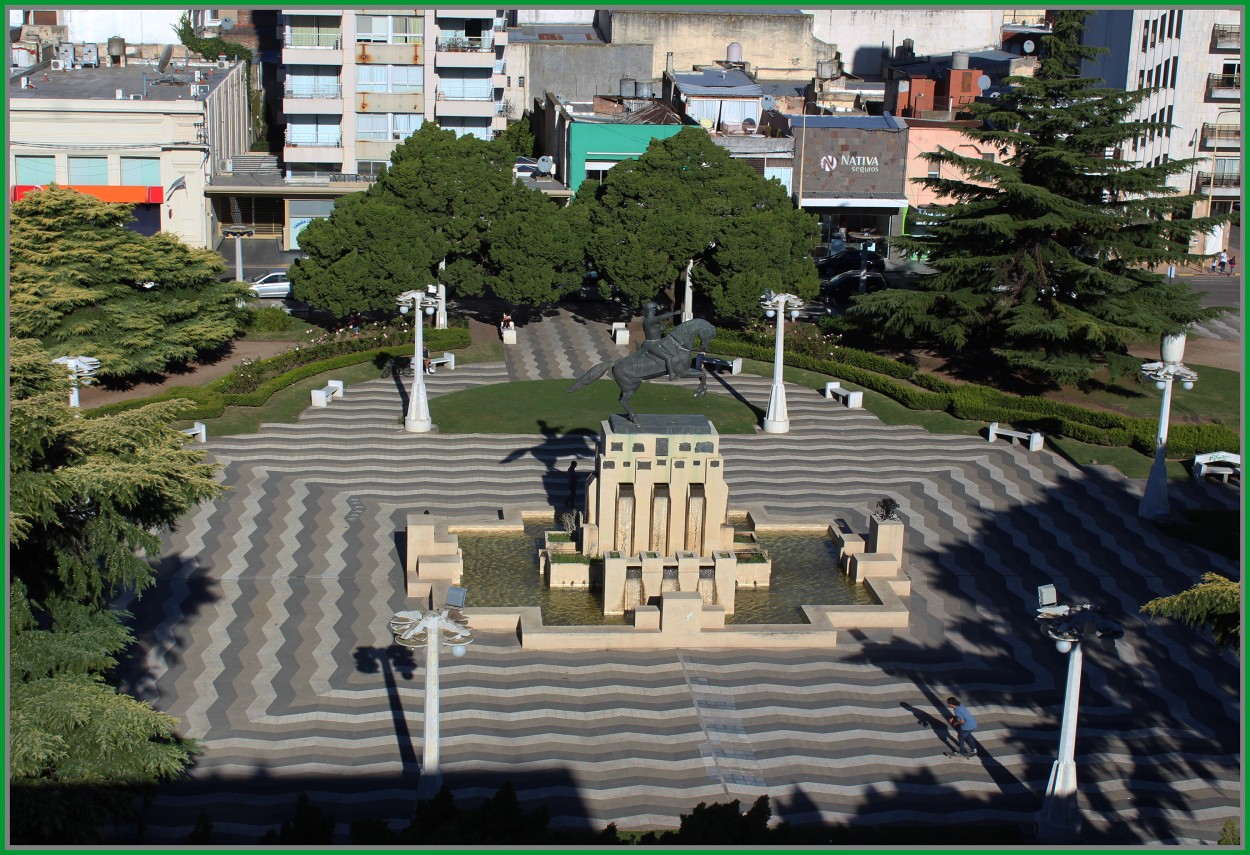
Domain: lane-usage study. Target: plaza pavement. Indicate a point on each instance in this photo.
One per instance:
(266, 632)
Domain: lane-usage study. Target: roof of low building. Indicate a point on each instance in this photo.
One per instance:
(718, 81)
(559, 34)
(103, 83)
(884, 122)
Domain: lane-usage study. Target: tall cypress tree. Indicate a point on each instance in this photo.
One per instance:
(1042, 262)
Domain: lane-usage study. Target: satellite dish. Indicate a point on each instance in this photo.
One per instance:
(227, 24)
(983, 82)
(768, 102)
(165, 56)
(544, 165)
(1029, 46)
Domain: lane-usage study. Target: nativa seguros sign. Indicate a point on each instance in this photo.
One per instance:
(854, 162)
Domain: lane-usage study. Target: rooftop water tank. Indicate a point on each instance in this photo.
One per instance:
(117, 46)
(644, 89)
(959, 60)
(733, 53)
(628, 87)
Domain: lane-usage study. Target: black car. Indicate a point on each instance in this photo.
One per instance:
(844, 286)
(848, 259)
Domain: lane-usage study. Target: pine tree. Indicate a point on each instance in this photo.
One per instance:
(1213, 604)
(84, 284)
(1042, 261)
(685, 199)
(86, 499)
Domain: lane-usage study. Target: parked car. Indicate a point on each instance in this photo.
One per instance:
(274, 284)
(849, 259)
(844, 286)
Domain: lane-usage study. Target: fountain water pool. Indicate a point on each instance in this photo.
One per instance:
(503, 570)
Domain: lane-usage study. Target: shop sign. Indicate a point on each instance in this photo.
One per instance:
(853, 162)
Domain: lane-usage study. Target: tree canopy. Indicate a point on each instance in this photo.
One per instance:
(83, 284)
(1213, 604)
(686, 199)
(87, 496)
(443, 200)
(1042, 261)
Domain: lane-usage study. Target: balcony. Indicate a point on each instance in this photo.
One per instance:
(1225, 37)
(465, 105)
(312, 99)
(468, 13)
(309, 146)
(467, 44)
(1219, 181)
(318, 47)
(1224, 87)
(1221, 136)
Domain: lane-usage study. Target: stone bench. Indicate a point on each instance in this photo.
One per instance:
(733, 365)
(1217, 464)
(322, 397)
(1033, 438)
(853, 400)
(448, 358)
(620, 332)
(197, 431)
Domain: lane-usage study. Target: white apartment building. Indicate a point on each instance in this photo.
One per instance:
(358, 81)
(1191, 58)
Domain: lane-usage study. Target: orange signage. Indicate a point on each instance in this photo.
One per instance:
(105, 193)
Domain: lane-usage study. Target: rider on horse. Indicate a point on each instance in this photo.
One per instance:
(663, 349)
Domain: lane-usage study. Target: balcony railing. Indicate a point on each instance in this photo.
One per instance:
(329, 40)
(313, 90)
(296, 139)
(1226, 37)
(1219, 179)
(331, 177)
(463, 96)
(467, 44)
(1228, 85)
(1213, 133)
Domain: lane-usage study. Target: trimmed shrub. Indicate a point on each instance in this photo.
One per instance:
(269, 319)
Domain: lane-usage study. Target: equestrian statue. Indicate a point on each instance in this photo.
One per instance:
(669, 356)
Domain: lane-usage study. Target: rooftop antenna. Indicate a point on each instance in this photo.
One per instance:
(162, 67)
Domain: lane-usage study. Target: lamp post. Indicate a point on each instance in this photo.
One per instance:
(1059, 819)
(687, 306)
(432, 629)
(418, 418)
(82, 371)
(440, 306)
(238, 233)
(1154, 501)
(777, 420)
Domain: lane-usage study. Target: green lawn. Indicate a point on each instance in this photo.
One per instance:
(1216, 395)
(544, 406)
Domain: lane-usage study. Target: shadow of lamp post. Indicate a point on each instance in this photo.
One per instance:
(1059, 819)
(1154, 501)
(432, 629)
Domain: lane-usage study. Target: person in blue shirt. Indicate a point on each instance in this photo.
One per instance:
(964, 724)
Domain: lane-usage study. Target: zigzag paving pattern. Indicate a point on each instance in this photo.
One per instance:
(266, 636)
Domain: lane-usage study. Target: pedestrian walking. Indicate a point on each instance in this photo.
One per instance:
(1232, 265)
(1215, 263)
(1223, 261)
(964, 724)
(572, 473)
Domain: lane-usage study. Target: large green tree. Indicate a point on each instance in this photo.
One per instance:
(685, 199)
(1213, 604)
(84, 284)
(1042, 262)
(440, 202)
(87, 497)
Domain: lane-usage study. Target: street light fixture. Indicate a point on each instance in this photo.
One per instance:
(418, 419)
(687, 306)
(777, 420)
(82, 371)
(432, 629)
(1154, 501)
(238, 233)
(1059, 819)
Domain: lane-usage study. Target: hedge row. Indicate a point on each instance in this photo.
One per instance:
(210, 402)
(978, 403)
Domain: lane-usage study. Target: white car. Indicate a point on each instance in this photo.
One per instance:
(274, 284)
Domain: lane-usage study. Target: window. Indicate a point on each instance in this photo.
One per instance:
(1180, 16)
(1169, 121)
(141, 172)
(370, 167)
(989, 156)
(404, 125)
(371, 78)
(371, 127)
(407, 78)
(386, 127)
(1172, 76)
(935, 170)
(31, 169)
(1141, 79)
(508, 84)
(89, 170)
(1171, 22)
(520, 81)
(372, 28)
(390, 78)
(388, 29)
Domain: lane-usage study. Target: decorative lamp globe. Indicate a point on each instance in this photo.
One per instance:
(1063, 645)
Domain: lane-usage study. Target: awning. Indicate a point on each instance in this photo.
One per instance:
(105, 193)
(851, 202)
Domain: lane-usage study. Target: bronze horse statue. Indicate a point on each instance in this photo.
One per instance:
(629, 372)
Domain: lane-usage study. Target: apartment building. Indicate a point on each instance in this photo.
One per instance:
(1190, 60)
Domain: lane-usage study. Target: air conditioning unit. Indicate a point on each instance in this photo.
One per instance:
(58, 65)
(136, 96)
(223, 63)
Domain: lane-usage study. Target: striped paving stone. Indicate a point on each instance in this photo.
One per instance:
(267, 637)
(561, 346)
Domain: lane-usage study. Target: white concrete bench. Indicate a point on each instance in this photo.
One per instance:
(197, 431)
(322, 397)
(508, 335)
(448, 358)
(1033, 438)
(853, 400)
(620, 332)
(1217, 464)
(734, 365)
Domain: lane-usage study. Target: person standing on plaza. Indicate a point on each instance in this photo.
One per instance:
(1232, 265)
(964, 724)
(1223, 261)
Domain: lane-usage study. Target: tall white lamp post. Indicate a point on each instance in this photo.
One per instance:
(440, 306)
(777, 420)
(1059, 819)
(431, 630)
(418, 419)
(82, 371)
(687, 306)
(1154, 501)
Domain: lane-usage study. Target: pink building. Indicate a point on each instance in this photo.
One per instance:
(929, 135)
